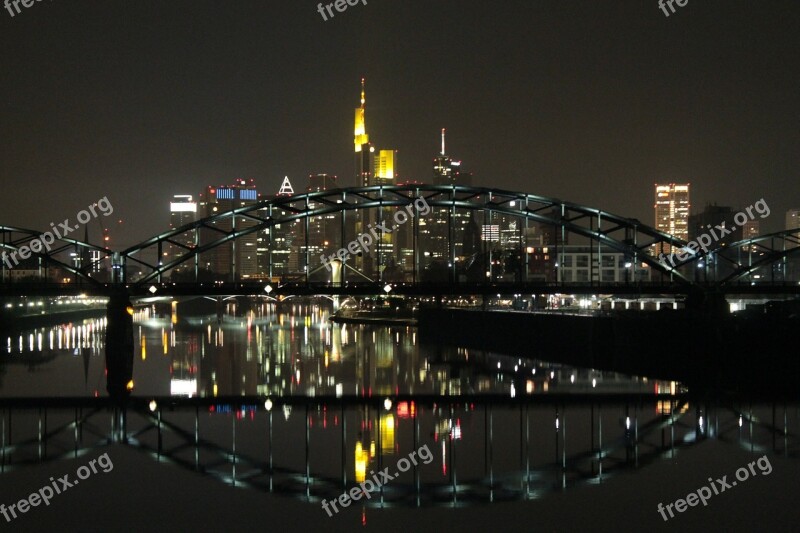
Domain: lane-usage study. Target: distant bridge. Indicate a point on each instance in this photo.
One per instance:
(472, 240)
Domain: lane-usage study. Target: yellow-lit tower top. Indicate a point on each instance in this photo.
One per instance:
(360, 131)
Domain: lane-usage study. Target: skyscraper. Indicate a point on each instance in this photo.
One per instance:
(182, 211)
(711, 217)
(235, 259)
(363, 149)
(384, 167)
(446, 171)
(672, 212)
(792, 223)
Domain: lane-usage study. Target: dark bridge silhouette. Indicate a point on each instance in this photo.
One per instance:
(466, 240)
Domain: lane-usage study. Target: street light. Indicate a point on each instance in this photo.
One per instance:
(268, 289)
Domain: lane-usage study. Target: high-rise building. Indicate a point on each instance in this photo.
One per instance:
(711, 217)
(384, 166)
(751, 230)
(236, 259)
(281, 248)
(447, 171)
(321, 182)
(443, 227)
(182, 211)
(672, 213)
(792, 223)
(324, 231)
(363, 149)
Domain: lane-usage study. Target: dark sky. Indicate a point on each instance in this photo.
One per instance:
(586, 101)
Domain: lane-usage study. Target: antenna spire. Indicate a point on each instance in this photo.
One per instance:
(442, 141)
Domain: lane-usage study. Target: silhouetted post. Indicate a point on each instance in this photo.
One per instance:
(119, 346)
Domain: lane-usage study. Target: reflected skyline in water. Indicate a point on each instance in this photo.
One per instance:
(297, 351)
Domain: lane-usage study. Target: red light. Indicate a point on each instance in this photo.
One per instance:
(402, 410)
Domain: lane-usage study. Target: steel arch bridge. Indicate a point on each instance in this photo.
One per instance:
(444, 234)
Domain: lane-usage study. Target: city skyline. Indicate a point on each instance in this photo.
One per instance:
(525, 107)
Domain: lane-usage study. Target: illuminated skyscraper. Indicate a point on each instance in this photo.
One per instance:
(672, 212)
(385, 165)
(236, 259)
(443, 232)
(363, 149)
(182, 211)
(446, 171)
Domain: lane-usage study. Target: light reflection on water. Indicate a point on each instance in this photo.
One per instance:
(481, 452)
(295, 352)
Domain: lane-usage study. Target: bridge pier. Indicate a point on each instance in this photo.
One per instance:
(119, 346)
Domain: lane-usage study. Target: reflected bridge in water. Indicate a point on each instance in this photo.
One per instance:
(486, 448)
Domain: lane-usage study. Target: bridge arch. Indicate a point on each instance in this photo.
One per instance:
(317, 224)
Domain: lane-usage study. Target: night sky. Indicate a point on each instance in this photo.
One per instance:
(591, 102)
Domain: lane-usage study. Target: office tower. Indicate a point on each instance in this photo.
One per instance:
(446, 171)
(182, 211)
(751, 230)
(793, 224)
(236, 259)
(384, 166)
(281, 248)
(363, 149)
(672, 213)
(324, 231)
(712, 216)
(321, 182)
(443, 232)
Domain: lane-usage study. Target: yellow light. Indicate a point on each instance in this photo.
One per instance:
(129, 386)
(360, 463)
(387, 433)
(215, 390)
(129, 309)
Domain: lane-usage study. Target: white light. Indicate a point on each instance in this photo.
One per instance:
(740, 420)
(268, 289)
(387, 289)
(572, 378)
(268, 405)
(153, 405)
(627, 422)
(387, 404)
(498, 365)
(594, 382)
(152, 289)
